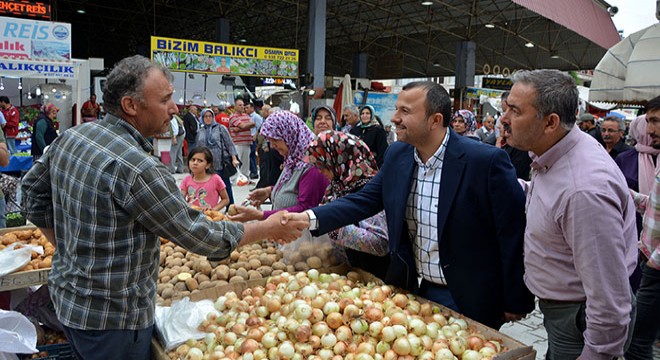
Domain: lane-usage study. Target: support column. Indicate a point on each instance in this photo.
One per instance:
(465, 68)
(360, 62)
(222, 30)
(316, 41)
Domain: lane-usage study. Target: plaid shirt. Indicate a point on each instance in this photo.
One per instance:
(422, 214)
(649, 242)
(109, 201)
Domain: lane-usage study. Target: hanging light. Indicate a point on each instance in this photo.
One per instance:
(37, 91)
(20, 85)
(45, 96)
(54, 90)
(529, 44)
(29, 96)
(181, 100)
(2, 85)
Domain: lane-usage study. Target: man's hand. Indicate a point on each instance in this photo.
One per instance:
(258, 196)
(296, 217)
(510, 317)
(283, 228)
(245, 213)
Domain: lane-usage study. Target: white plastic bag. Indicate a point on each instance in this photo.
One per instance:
(242, 180)
(17, 334)
(309, 251)
(12, 259)
(178, 323)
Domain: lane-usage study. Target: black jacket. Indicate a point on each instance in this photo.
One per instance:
(376, 139)
(191, 125)
(49, 135)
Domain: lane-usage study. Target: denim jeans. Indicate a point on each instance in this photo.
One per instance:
(254, 171)
(648, 315)
(227, 182)
(438, 293)
(3, 213)
(11, 145)
(110, 344)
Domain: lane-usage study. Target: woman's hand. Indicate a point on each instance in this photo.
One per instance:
(245, 213)
(258, 196)
(235, 162)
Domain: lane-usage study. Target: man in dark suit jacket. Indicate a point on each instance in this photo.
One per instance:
(465, 203)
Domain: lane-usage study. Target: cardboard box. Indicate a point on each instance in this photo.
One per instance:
(516, 349)
(23, 279)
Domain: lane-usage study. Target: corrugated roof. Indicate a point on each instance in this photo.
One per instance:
(582, 16)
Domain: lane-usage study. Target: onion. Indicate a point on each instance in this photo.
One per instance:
(399, 318)
(325, 278)
(426, 355)
(388, 334)
(320, 328)
(417, 326)
(343, 333)
(313, 274)
(401, 346)
(194, 354)
(309, 291)
(261, 311)
(330, 307)
(343, 302)
(471, 355)
(474, 342)
(400, 300)
(249, 346)
(487, 352)
(303, 333)
(328, 340)
(413, 306)
(229, 338)
(326, 354)
(375, 328)
(440, 319)
(457, 345)
(334, 320)
(493, 344)
(315, 341)
(448, 331)
(425, 310)
(286, 350)
(273, 305)
(303, 311)
(377, 295)
(390, 355)
(303, 349)
(255, 334)
(340, 348)
(400, 330)
(219, 304)
(269, 340)
(363, 356)
(444, 354)
(366, 348)
(373, 314)
(317, 315)
(318, 302)
(359, 326)
(351, 311)
(416, 345)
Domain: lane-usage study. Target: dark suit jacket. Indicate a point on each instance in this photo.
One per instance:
(481, 223)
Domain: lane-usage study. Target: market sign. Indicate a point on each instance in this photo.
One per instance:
(476, 93)
(34, 40)
(40, 70)
(496, 83)
(25, 8)
(216, 58)
(278, 81)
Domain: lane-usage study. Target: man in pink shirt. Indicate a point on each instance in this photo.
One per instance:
(239, 129)
(648, 294)
(580, 246)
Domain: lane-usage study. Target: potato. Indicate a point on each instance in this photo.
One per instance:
(180, 286)
(264, 259)
(276, 272)
(222, 272)
(242, 273)
(201, 278)
(254, 274)
(232, 210)
(254, 264)
(301, 266)
(291, 269)
(184, 276)
(191, 284)
(167, 293)
(205, 285)
(236, 279)
(265, 271)
(178, 255)
(314, 262)
(278, 265)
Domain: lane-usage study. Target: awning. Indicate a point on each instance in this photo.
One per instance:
(628, 71)
(582, 16)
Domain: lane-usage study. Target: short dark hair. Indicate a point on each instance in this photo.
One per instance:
(437, 99)
(556, 92)
(620, 123)
(505, 95)
(653, 104)
(127, 79)
(4, 99)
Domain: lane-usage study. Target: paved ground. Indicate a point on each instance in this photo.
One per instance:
(529, 331)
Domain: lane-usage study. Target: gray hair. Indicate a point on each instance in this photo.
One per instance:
(437, 99)
(352, 108)
(127, 79)
(620, 122)
(556, 92)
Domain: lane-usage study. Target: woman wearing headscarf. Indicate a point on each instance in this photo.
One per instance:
(464, 124)
(372, 133)
(347, 162)
(44, 130)
(324, 118)
(216, 137)
(300, 186)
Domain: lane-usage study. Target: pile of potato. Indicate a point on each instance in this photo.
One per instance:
(183, 273)
(305, 255)
(30, 237)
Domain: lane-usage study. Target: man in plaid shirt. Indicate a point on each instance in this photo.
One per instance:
(104, 201)
(648, 294)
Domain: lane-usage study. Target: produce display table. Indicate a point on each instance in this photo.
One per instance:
(18, 164)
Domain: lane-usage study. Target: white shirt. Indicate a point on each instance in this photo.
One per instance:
(422, 214)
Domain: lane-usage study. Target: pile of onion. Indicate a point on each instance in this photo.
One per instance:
(330, 317)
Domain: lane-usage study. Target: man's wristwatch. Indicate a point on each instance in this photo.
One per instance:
(313, 221)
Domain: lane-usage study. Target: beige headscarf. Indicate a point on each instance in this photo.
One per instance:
(646, 152)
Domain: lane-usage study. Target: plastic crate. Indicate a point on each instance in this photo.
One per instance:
(55, 352)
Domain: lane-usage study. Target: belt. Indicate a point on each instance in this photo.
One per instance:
(562, 302)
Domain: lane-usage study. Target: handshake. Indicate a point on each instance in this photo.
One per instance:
(283, 226)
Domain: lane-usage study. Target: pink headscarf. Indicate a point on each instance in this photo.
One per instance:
(646, 152)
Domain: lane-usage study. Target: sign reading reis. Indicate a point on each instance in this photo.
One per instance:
(25, 8)
(34, 40)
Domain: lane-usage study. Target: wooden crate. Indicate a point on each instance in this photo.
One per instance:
(19, 280)
(516, 349)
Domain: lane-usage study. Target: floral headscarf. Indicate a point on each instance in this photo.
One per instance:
(470, 124)
(286, 126)
(646, 152)
(373, 117)
(347, 157)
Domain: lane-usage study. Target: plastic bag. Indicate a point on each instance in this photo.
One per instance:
(242, 180)
(17, 334)
(12, 259)
(310, 252)
(178, 323)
